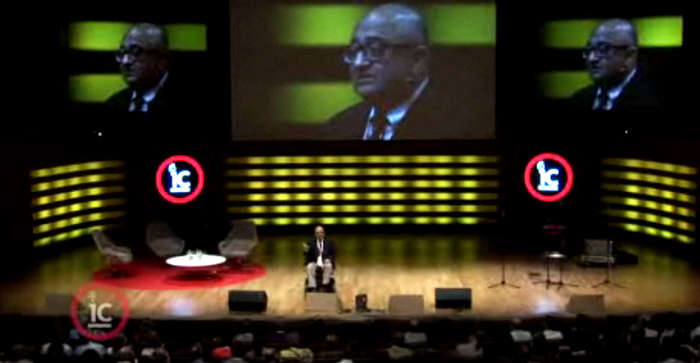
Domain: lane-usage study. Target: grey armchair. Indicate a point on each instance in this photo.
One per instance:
(113, 254)
(240, 241)
(162, 241)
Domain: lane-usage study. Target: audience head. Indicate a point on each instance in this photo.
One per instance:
(125, 357)
(150, 339)
(90, 356)
(19, 352)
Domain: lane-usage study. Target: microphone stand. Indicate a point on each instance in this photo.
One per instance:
(503, 282)
(608, 281)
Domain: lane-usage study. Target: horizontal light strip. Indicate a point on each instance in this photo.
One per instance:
(78, 180)
(74, 168)
(647, 204)
(397, 171)
(333, 25)
(94, 87)
(461, 24)
(75, 194)
(653, 232)
(652, 31)
(333, 184)
(650, 178)
(77, 207)
(563, 84)
(292, 101)
(653, 165)
(187, 37)
(651, 218)
(395, 208)
(650, 192)
(364, 159)
(372, 220)
(72, 234)
(108, 35)
(285, 197)
(43, 228)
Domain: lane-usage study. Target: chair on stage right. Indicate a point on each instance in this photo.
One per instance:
(597, 251)
(163, 241)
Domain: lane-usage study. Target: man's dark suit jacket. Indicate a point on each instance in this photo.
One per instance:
(638, 94)
(328, 251)
(174, 113)
(433, 116)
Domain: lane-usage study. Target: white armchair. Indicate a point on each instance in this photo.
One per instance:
(113, 254)
(240, 241)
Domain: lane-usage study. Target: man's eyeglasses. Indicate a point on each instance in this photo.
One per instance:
(133, 51)
(602, 50)
(373, 51)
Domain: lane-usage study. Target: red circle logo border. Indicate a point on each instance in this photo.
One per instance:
(200, 176)
(569, 177)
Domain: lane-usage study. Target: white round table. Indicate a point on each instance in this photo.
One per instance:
(195, 266)
(195, 260)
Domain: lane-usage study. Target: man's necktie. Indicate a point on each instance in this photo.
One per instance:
(379, 126)
(139, 102)
(602, 100)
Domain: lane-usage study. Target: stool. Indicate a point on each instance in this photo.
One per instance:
(557, 256)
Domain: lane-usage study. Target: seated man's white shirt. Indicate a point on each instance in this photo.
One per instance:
(319, 260)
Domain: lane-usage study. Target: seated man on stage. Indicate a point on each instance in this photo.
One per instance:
(319, 252)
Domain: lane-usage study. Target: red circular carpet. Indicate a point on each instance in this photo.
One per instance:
(157, 275)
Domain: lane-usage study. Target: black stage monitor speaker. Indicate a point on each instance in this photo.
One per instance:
(242, 300)
(586, 304)
(449, 298)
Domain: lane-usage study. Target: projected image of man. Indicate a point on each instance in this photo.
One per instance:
(143, 60)
(388, 59)
(611, 58)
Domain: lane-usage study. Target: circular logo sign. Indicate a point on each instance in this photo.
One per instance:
(180, 179)
(99, 312)
(549, 177)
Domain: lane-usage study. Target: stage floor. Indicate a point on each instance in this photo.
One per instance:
(380, 266)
